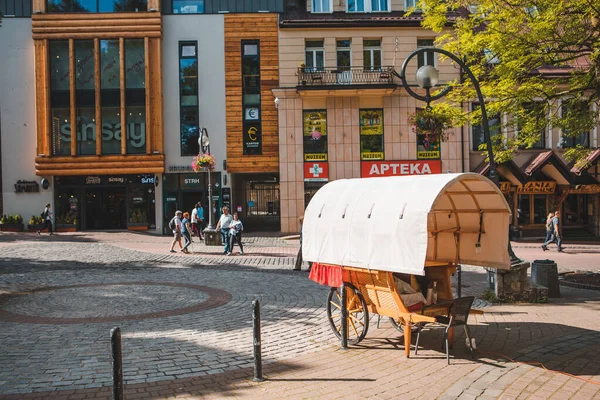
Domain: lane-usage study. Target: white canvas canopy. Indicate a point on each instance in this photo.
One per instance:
(397, 223)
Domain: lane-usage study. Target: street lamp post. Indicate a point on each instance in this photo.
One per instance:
(427, 78)
(210, 233)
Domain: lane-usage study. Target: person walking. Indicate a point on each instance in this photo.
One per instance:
(556, 234)
(235, 234)
(200, 211)
(549, 231)
(175, 226)
(223, 225)
(186, 232)
(47, 217)
(194, 220)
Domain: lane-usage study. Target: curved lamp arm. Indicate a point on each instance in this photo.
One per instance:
(428, 98)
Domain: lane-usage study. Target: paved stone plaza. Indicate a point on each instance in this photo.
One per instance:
(187, 328)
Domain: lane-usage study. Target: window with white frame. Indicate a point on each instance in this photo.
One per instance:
(321, 6)
(368, 5)
(574, 111)
(314, 55)
(372, 54)
(343, 54)
(478, 137)
(428, 57)
(410, 3)
(532, 118)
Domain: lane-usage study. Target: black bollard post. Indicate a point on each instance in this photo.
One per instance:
(117, 363)
(257, 344)
(344, 318)
(459, 278)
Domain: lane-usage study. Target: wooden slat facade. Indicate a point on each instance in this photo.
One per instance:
(97, 26)
(262, 27)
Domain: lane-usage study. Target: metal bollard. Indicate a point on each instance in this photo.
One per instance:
(257, 344)
(117, 363)
(344, 317)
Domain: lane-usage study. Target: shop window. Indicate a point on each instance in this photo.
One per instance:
(67, 204)
(188, 100)
(372, 54)
(110, 96)
(321, 6)
(138, 206)
(314, 55)
(427, 57)
(535, 117)
(135, 96)
(94, 6)
(533, 209)
(188, 6)
(60, 97)
(575, 112)
(410, 3)
(85, 98)
(371, 134)
(428, 144)
(252, 126)
(478, 138)
(315, 135)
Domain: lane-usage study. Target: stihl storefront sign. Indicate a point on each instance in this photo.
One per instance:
(370, 169)
(316, 172)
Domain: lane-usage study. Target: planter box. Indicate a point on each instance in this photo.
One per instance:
(137, 227)
(34, 228)
(66, 228)
(11, 227)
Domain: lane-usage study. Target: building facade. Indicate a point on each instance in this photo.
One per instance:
(105, 102)
(342, 114)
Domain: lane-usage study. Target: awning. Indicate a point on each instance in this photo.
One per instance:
(398, 223)
(508, 170)
(590, 160)
(550, 165)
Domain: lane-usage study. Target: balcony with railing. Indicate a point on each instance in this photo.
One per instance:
(319, 77)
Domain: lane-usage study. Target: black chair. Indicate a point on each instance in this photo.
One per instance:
(458, 316)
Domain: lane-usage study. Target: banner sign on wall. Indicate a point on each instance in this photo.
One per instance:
(371, 169)
(252, 138)
(314, 132)
(371, 122)
(428, 147)
(316, 172)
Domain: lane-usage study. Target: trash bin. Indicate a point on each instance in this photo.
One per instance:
(545, 273)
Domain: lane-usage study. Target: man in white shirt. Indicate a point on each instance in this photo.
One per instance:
(195, 221)
(175, 225)
(223, 225)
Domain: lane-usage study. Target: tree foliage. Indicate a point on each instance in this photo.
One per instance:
(529, 56)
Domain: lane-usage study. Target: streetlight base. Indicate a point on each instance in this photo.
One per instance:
(212, 237)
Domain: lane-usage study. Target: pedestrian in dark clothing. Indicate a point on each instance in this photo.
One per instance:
(47, 217)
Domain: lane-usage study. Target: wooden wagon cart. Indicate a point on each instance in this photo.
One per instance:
(388, 240)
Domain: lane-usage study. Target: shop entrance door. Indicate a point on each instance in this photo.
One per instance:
(105, 209)
(189, 200)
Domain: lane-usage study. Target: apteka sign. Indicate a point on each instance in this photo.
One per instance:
(371, 169)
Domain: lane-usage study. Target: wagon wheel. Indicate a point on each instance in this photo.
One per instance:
(358, 315)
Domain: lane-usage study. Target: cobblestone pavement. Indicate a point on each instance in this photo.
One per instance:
(186, 323)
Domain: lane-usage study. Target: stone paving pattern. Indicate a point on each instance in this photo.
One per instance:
(207, 352)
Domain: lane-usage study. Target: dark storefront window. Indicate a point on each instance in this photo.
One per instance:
(66, 209)
(315, 135)
(371, 134)
(252, 135)
(188, 98)
(135, 96)
(84, 95)
(60, 97)
(93, 6)
(110, 96)
(477, 130)
(533, 209)
(138, 206)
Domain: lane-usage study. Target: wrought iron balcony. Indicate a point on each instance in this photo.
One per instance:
(321, 76)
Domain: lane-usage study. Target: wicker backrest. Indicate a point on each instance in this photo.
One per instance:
(459, 310)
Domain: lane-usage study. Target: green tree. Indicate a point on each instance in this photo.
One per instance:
(528, 56)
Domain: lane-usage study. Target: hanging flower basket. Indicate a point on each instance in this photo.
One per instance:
(204, 162)
(432, 124)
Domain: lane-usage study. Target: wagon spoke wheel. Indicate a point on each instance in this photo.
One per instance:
(358, 315)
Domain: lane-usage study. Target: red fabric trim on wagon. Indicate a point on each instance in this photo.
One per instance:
(326, 274)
